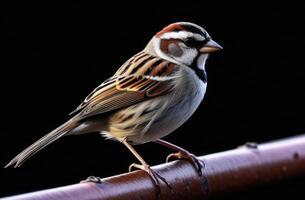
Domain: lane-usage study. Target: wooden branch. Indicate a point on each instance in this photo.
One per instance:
(241, 168)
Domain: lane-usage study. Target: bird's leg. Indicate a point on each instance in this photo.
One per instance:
(182, 154)
(144, 166)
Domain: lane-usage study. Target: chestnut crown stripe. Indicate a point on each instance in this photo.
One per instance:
(170, 28)
(181, 27)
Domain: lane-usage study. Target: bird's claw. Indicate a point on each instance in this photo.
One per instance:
(197, 164)
(153, 174)
(92, 179)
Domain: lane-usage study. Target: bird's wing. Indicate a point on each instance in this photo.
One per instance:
(141, 78)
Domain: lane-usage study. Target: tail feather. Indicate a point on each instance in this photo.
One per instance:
(43, 142)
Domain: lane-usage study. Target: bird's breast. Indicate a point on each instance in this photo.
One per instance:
(190, 93)
(157, 117)
(179, 106)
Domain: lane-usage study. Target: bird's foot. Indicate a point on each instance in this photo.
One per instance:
(156, 178)
(197, 164)
(92, 179)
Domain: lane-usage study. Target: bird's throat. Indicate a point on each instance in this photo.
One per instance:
(202, 75)
(198, 66)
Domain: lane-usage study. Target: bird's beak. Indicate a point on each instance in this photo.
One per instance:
(210, 47)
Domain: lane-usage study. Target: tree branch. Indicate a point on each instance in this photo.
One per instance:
(241, 168)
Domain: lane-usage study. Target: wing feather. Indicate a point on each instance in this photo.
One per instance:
(145, 77)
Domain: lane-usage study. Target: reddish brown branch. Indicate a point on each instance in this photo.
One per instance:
(236, 169)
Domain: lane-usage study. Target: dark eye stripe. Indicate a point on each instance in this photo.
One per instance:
(191, 42)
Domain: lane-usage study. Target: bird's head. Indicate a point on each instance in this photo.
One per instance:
(183, 43)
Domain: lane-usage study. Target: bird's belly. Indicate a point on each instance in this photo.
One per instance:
(172, 118)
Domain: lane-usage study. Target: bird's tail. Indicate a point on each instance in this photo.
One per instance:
(43, 142)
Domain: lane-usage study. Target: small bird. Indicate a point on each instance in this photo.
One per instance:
(152, 94)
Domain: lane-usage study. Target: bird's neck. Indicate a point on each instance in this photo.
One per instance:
(201, 73)
(198, 66)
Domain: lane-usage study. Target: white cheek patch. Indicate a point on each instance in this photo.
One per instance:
(201, 61)
(188, 56)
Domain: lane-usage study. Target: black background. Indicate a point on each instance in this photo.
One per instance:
(55, 54)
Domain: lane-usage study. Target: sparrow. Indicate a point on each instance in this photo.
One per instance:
(151, 95)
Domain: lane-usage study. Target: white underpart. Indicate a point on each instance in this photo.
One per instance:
(201, 61)
(182, 35)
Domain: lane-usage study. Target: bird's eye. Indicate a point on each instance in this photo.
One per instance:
(190, 42)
